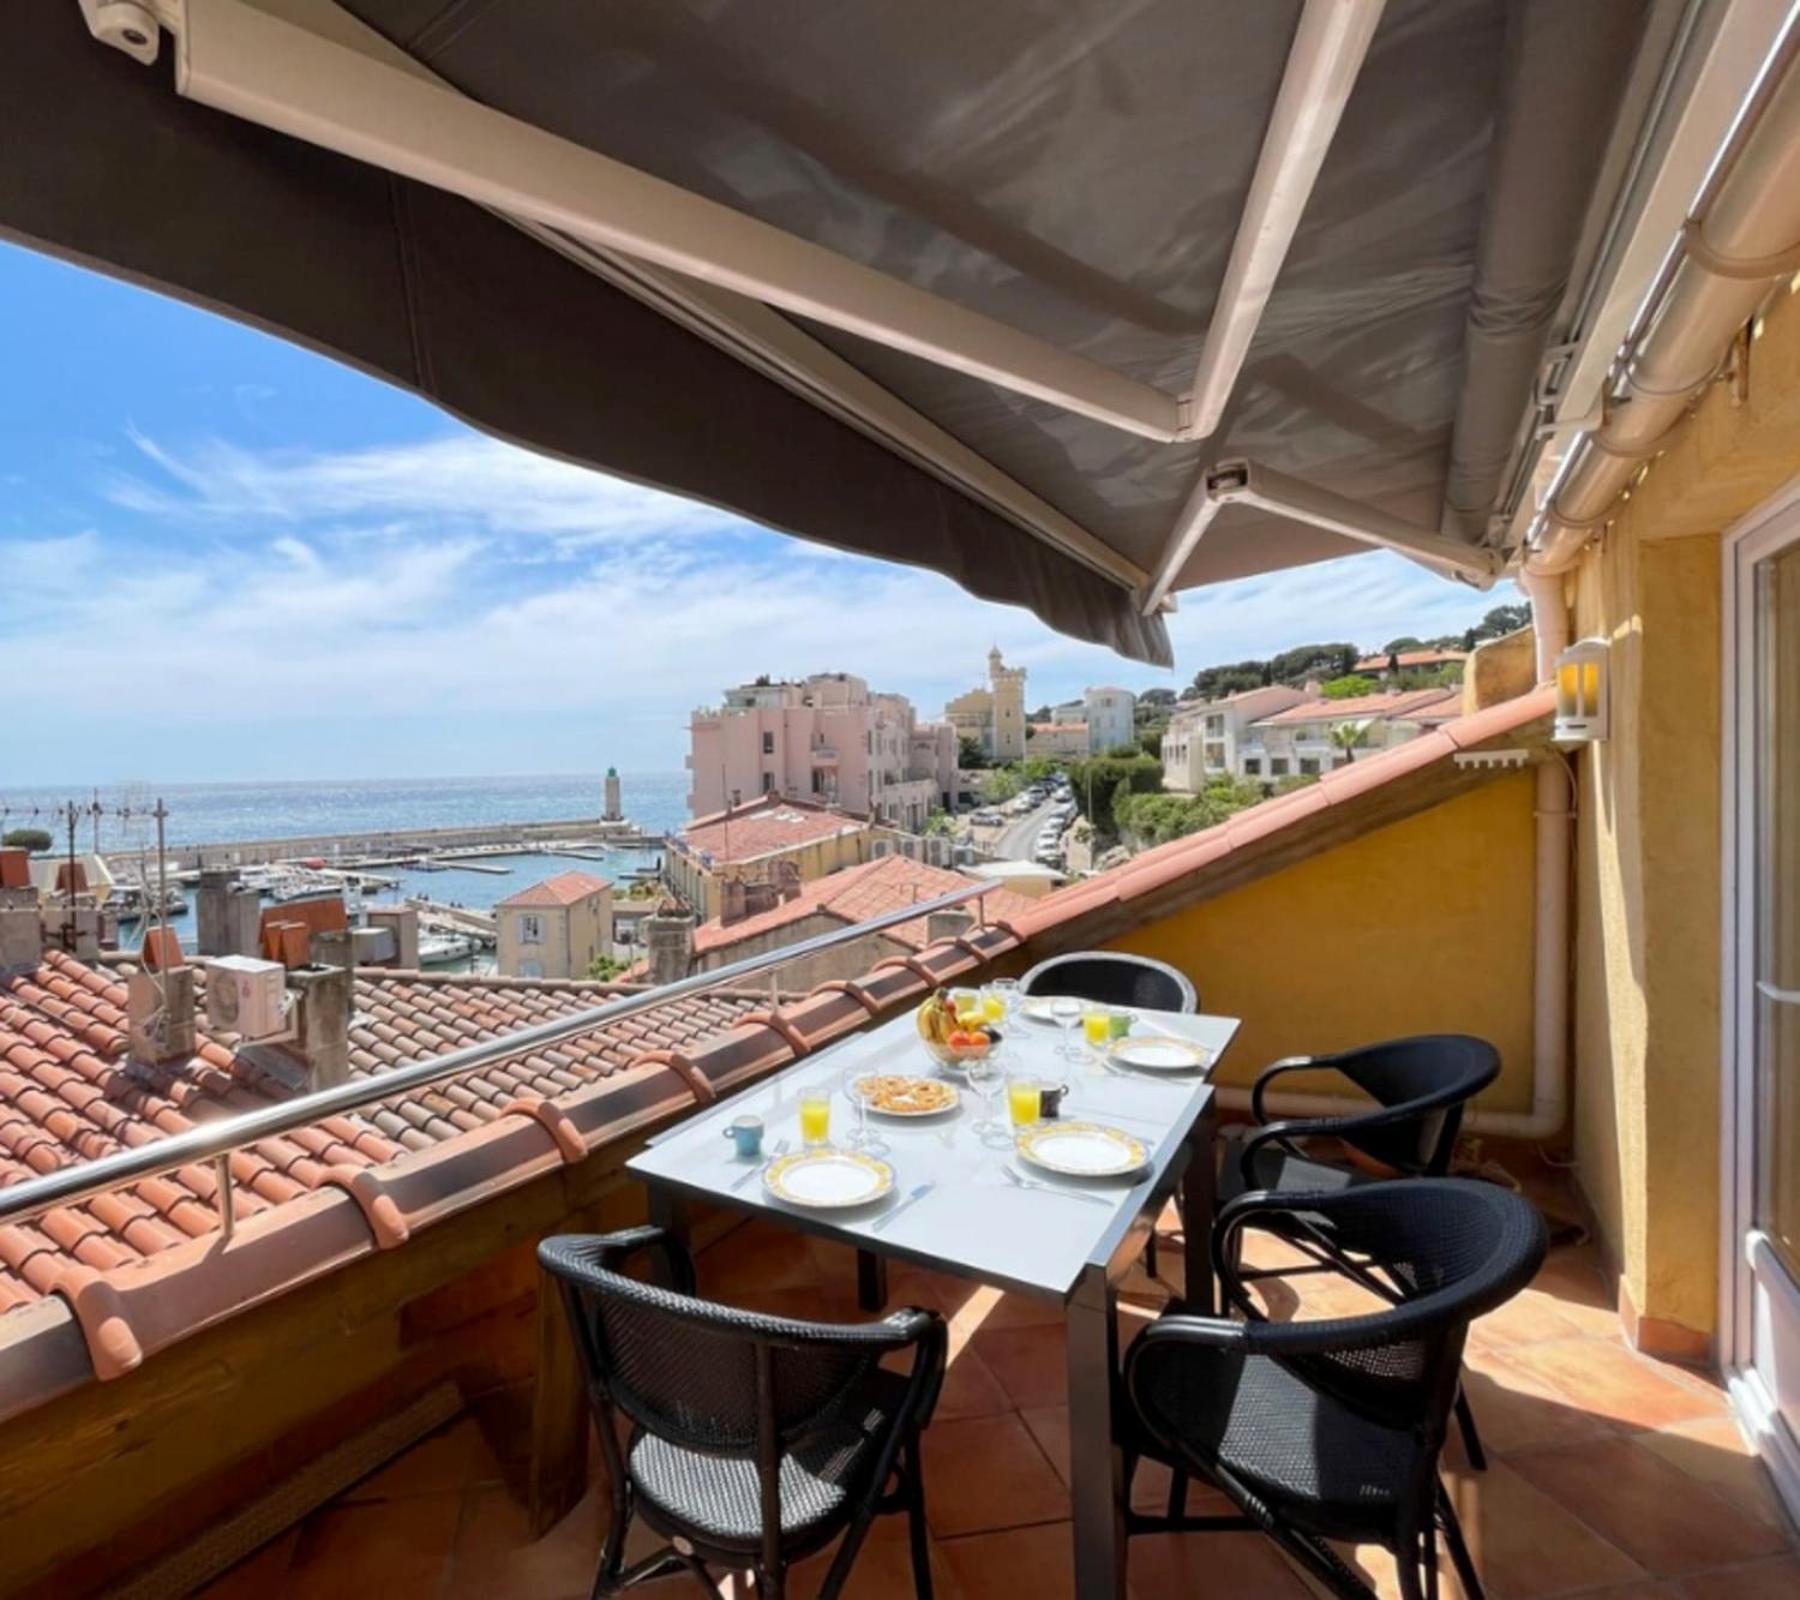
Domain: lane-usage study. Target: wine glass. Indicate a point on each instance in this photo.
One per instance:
(1003, 993)
(862, 1137)
(984, 1077)
(1065, 1010)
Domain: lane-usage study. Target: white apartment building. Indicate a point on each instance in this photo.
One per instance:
(1301, 741)
(1205, 737)
(1110, 715)
(828, 739)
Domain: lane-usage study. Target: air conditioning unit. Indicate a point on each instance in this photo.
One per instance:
(247, 997)
(880, 848)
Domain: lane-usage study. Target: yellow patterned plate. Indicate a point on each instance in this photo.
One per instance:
(828, 1179)
(1160, 1054)
(1082, 1149)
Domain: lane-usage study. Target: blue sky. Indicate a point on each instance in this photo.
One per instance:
(224, 557)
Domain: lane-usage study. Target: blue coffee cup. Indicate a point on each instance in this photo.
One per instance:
(746, 1133)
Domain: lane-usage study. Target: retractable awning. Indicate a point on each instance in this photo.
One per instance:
(1079, 302)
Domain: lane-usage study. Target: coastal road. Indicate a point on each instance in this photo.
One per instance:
(1017, 841)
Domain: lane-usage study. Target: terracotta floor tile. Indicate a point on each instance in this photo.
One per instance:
(1644, 1589)
(1525, 1545)
(1661, 1517)
(1604, 1377)
(494, 1552)
(1715, 1452)
(1525, 1319)
(1031, 1362)
(1022, 1563)
(385, 1548)
(454, 1457)
(1514, 1411)
(757, 1255)
(1382, 1572)
(970, 1389)
(1761, 1580)
(883, 1571)
(1177, 1566)
(1573, 1276)
(987, 1473)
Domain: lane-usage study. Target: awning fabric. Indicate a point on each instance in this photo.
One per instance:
(1075, 168)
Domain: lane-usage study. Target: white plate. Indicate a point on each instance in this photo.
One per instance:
(1082, 1149)
(929, 1111)
(1160, 1055)
(828, 1179)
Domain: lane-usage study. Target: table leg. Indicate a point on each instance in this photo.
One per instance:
(1198, 1198)
(871, 1280)
(668, 1212)
(1096, 1468)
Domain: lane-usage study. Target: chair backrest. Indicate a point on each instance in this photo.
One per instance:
(1110, 977)
(1438, 1073)
(701, 1375)
(1454, 1248)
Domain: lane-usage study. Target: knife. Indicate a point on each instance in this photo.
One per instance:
(918, 1193)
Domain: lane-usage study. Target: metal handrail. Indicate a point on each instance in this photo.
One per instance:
(215, 1141)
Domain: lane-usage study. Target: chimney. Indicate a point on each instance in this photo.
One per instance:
(322, 1004)
(734, 901)
(403, 922)
(760, 897)
(21, 931)
(228, 914)
(160, 1013)
(669, 943)
(947, 924)
(15, 868)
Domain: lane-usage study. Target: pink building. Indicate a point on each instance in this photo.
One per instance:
(826, 739)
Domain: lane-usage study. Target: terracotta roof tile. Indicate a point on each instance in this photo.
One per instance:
(1379, 706)
(565, 889)
(69, 1094)
(763, 827)
(855, 894)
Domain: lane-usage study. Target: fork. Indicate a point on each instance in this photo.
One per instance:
(1021, 1181)
(778, 1148)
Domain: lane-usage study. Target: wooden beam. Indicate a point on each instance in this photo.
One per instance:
(559, 1416)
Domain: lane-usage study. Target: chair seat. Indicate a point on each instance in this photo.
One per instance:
(1280, 1171)
(821, 1477)
(1314, 1463)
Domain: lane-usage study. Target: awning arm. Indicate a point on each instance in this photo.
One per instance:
(1327, 54)
(1249, 483)
(288, 65)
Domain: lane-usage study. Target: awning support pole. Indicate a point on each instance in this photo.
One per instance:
(1329, 46)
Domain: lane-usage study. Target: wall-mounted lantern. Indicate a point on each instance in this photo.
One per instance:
(1581, 692)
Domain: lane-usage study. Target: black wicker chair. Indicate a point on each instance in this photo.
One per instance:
(747, 1441)
(1421, 1086)
(1113, 978)
(1331, 1430)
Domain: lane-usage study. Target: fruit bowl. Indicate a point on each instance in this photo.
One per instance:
(948, 1054)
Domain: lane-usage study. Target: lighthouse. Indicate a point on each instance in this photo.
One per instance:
(614, 811)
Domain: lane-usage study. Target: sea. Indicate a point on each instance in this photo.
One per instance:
(117, 816)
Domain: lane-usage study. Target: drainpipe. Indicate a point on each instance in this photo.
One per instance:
(1555, 814)
(1743, 242)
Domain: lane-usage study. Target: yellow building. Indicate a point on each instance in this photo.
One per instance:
(993, 717)
(771, 842)
(556, 928)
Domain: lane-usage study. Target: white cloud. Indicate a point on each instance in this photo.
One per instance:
(462, 480)
(390, 611)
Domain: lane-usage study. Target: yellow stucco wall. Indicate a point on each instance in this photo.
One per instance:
(1649, 878)
(1647, 949)
(1420, 927)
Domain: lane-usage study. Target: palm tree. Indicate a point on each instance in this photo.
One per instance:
(1348, 737)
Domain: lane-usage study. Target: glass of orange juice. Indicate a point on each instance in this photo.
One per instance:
(1024, 1100)
(1096, 1028)
(815, 1117)
(993, 1005)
